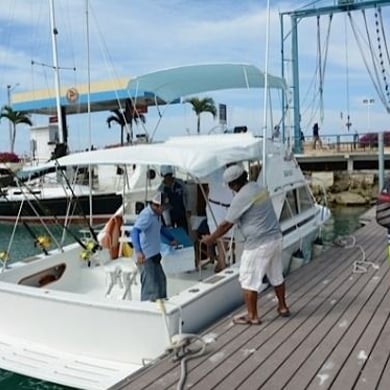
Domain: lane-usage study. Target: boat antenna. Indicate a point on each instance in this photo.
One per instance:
(265, 111)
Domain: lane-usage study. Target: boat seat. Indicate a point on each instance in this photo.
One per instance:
(121, 272)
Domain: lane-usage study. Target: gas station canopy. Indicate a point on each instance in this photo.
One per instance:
(100, 96)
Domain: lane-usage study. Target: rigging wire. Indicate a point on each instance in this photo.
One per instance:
(322, 64)
(320, 75)
(348, 124)
(381, 37)
(374, 77)
(316, 101)
(40, 210)
(371, 51)
(108, 60)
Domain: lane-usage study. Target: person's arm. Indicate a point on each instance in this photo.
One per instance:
(221, 229)
(135, 239)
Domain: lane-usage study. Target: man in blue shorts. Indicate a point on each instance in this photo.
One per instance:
(146, 239)
(252, 210)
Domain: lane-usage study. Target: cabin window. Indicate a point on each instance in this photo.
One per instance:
(42, 278)
(305, 199)
(290, 206)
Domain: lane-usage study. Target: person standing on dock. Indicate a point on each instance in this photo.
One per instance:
(316, 136)
(252, 210)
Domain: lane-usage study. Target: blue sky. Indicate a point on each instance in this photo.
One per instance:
(130, 38)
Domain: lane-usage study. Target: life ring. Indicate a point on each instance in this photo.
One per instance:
(109, 237)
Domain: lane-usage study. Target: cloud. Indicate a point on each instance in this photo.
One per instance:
(128, 38)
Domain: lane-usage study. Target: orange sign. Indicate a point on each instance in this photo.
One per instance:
(72, 95)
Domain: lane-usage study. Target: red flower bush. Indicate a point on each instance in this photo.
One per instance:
(9, 157)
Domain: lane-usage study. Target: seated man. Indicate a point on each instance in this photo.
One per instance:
(203, 251)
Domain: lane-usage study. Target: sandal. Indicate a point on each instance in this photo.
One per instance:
(244, 320)
(284, 312)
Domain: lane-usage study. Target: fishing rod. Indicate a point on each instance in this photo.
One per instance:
(45, 212)
(38, 241)
(77, 203)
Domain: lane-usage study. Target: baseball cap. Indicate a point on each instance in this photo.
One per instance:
(166, 170)
(157, 199)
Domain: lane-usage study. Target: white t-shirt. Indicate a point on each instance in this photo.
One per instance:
(252, 210)
(217, 190)
(221, 194)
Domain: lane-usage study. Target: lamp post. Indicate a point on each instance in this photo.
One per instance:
(368, 102)
(10, 88)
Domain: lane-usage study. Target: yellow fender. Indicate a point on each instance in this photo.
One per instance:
(127, 250)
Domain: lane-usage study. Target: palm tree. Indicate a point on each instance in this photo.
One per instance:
(202, 105)
(15, 117)
(126, 118)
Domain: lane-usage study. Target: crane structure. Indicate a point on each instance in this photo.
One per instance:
(340, 6)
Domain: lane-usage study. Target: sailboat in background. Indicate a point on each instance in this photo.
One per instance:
(98, 298)
(35, 195)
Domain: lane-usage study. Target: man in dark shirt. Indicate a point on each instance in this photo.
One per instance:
(175, 199)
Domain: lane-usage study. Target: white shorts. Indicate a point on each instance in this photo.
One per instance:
(263, 260)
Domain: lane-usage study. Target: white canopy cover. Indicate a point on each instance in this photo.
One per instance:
(197, 155)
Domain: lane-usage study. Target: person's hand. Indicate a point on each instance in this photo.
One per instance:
(173, 243)
(206, 239)
(140, 258)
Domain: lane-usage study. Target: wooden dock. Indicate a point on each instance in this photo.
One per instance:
(336, 338)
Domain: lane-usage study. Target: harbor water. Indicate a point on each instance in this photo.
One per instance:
(344, 221)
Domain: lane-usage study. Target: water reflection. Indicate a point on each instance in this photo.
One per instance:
(344, 221)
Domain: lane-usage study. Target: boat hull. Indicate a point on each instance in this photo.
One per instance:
(55, 209)
(76, 317)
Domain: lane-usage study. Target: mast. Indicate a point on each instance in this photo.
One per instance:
(265, 113)
(54, 33)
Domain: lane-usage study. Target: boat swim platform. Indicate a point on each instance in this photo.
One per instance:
(336, 338)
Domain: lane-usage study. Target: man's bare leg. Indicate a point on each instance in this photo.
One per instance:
(250, 298)
(220, 256)
(280, 292)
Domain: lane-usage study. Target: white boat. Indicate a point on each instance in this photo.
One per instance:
(82, 324)
(37, 196)
(52, 197)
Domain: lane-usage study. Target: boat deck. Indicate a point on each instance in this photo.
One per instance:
(336, 338)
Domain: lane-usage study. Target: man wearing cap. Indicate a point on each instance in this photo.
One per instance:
(146, 239)
(175, 199)
(251, 209)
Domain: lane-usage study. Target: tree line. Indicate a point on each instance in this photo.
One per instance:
(124, 117)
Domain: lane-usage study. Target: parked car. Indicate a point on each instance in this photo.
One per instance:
(371, 139)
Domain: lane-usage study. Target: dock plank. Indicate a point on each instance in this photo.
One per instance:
(336, 337)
